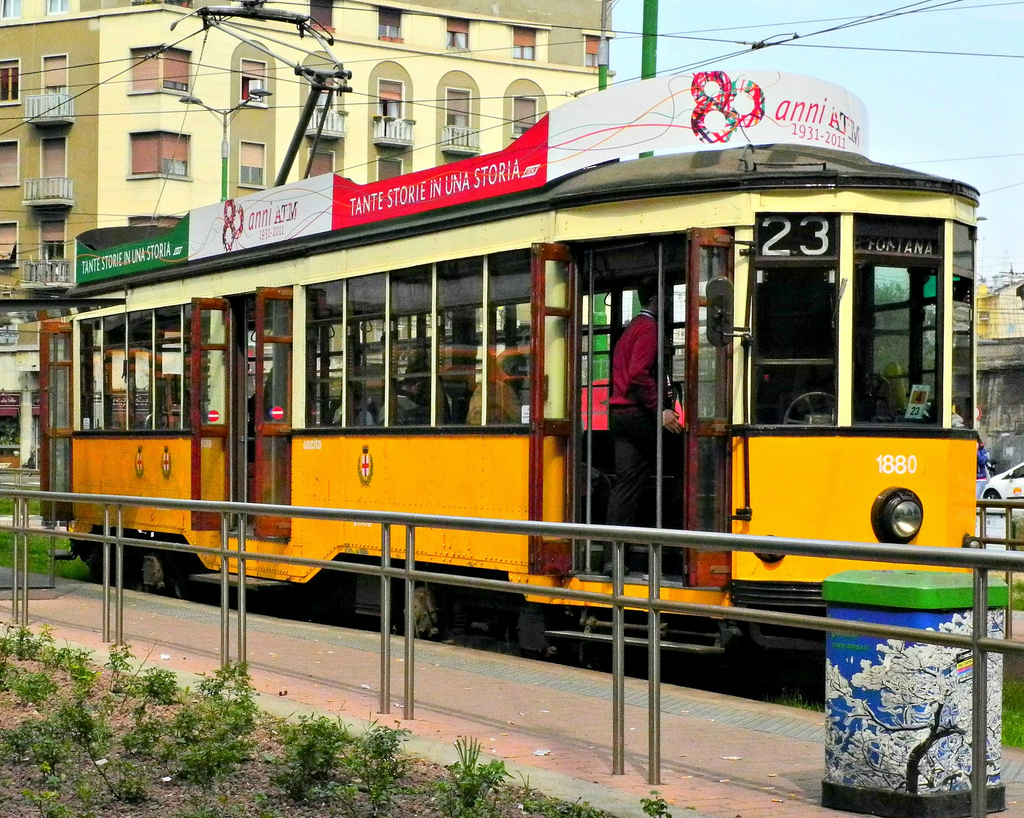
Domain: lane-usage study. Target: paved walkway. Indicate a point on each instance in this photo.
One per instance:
(721, 757)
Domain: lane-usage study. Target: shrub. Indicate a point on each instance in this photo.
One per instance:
(312, 751)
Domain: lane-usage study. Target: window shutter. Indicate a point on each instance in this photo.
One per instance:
(145, 153)
(8, 240)
(8, 163)
(55, 157)
(55, 73)
(146, 72)
(176, 69)
(458, 26)
(525, 37)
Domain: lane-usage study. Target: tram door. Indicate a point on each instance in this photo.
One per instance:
(694, 469)
(241, 404)
(708, 409)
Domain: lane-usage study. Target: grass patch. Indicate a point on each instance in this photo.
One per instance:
(39, 549)
(1013, 713)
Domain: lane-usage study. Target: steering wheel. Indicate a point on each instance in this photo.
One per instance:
(810, 403)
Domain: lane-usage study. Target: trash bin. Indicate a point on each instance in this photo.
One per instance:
(898, 714)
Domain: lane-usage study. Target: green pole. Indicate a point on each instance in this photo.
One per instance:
(224, 150)
(649, 55)
(649, 52)
(602, 53)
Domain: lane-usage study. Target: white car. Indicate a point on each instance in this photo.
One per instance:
(1007, 485)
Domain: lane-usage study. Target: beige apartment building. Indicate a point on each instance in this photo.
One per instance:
(93, 132)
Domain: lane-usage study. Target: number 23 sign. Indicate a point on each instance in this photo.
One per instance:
(796, 235)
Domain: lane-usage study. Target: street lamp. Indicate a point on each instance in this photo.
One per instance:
(226, 114)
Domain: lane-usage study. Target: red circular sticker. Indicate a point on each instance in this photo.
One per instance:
(213, 416)
(277, 413)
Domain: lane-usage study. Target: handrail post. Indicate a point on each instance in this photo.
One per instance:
(654, 667)
(979, 698)
(384, 694)
(243, 522)
(225, 594)
(618, 663)
(23, 503)
(119, 592)
(105, 546)
(410, 623)
(15, 570)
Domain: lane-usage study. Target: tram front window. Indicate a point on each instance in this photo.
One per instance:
(895, 349)
(794, 333)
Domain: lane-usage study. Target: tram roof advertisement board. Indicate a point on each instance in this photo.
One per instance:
(683, 112)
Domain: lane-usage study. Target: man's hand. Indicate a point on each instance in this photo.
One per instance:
(670, 420)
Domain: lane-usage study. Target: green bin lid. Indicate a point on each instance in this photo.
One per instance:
(916, 590)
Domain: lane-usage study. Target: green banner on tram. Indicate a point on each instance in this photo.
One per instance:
(166, 250)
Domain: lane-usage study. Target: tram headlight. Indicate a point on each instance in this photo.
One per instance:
(897, 515)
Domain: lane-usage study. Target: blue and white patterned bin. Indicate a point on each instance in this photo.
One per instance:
(898, 714)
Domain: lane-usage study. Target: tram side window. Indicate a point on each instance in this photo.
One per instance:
(508, 341)
(366, 350)
(895, 347)
(963, 324)
(91, 373)
(795, 343)
(115, 367)
(325, 350)
(169, 370)
(140, 353)
(410, 347)
(460, 341)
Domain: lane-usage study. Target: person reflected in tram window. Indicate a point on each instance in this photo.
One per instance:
(413, 399)
(503, 404)
(638, 404)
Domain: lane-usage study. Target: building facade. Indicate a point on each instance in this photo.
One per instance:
(93, 132)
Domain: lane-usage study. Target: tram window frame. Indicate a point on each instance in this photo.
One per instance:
(411, 343)
(90, 383)
(460, 313)
(115, 367)
(962, 351)
(901, 381)
(802, 319)
(139, 370)
(509, 364)
(365, 368)
(325, 354)
(170, 368)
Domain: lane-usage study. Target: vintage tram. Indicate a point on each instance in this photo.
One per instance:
(440, 343)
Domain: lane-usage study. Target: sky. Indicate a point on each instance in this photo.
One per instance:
(942, 82)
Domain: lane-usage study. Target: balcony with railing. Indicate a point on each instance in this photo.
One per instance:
(49, 273)
(50, 109)
(334, 124)
(459, 140)
(389, 132)
(50, 191)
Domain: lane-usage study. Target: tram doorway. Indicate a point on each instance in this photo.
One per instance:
(241, 404)
(690, 485)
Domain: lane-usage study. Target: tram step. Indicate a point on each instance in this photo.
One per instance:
(251, 583)
(636, 641)
(64, 555)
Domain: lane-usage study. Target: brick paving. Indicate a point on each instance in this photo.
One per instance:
(722, 757)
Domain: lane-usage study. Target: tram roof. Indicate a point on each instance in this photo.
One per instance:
(752, 167)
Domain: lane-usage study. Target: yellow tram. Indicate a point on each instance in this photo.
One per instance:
(440, 343)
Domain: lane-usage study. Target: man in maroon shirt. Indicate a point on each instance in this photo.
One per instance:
(638, 403)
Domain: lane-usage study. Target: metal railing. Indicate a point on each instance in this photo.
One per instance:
(234, 517)
(50, 109)
(458, 139)
(394, 132)
(50, 272)
(49, 190)
(334, 123)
